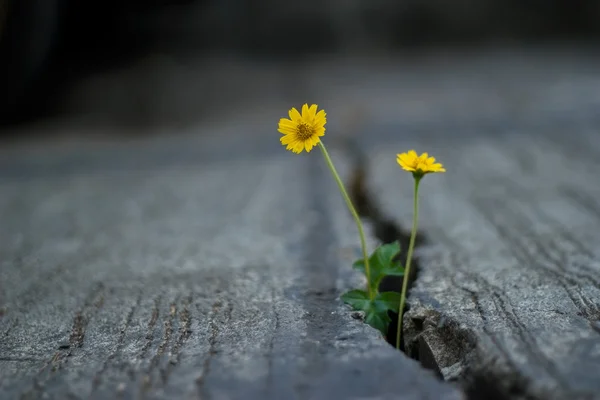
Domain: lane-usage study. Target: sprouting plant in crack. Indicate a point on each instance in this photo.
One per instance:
(372, 302)
(302, 131)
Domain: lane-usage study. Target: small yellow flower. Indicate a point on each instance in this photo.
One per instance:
(419, 165)
(302, 131)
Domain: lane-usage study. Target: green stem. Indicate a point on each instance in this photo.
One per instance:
(411, 246)
(361, 232)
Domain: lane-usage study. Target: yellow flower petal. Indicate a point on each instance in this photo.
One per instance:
(321, 116)
(287, 139)
(295, 115)
(287, 122)
(305, 110)
(286, 130)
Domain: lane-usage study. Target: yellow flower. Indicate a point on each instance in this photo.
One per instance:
(418, 165)
(302, 132)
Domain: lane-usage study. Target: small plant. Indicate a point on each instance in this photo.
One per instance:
(303, 131)
(419, 166)
(375, 304)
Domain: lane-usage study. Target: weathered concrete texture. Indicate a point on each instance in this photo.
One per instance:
(508, 290)
(129, 271)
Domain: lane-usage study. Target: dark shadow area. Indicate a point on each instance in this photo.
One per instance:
(482, 386)
(49, 49)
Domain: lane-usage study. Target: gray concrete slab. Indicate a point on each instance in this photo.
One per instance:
(129, 271)
(125, 263)
(507, 296)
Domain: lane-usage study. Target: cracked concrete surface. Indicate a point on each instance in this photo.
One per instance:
(128, 271)
(204, 264)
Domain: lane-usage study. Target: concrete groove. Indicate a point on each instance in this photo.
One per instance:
(119, 346)
(151, 325)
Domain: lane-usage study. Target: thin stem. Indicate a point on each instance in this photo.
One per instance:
(411, 246)
(361, 232)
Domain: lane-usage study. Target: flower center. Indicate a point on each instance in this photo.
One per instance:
(304, 131)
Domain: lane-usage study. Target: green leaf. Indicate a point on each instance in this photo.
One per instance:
(377, 315)
(393, 270)
(359, 265)
(376, 310)
(386, 252)
(387, 265)
(378, 320)
(388, 301)
(381, 263)
(357, 299)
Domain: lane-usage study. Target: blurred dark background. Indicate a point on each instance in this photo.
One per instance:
(56, 55)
